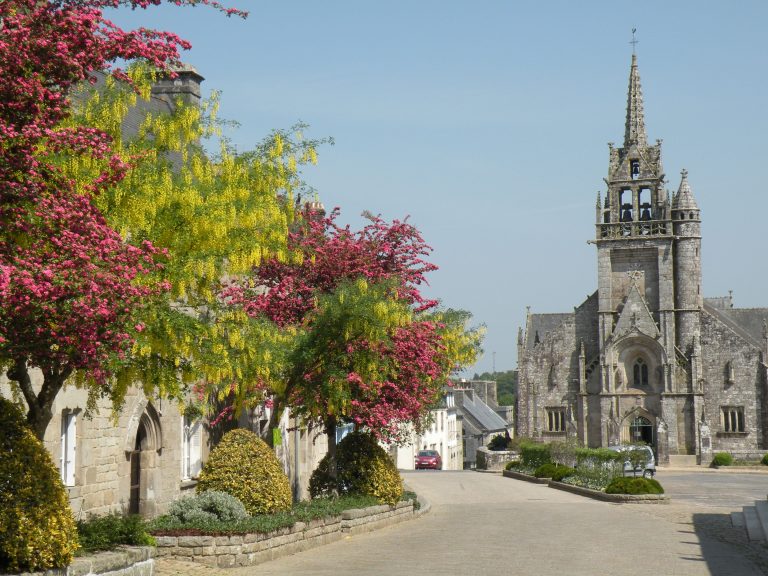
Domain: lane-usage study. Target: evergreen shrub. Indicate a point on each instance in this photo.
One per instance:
(554, 471)
(112, 530)
(722, 459)
(534, 455)
(208, 505)
(512, 465)
(629, 485)
(498, 443)
(37, 530)
(244, 466)
(764, 461)
(362, 467)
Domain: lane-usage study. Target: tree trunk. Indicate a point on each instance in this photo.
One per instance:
(268, 435)
(330, 432)
(40, 405)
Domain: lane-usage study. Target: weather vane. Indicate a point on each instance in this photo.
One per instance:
(634, 40)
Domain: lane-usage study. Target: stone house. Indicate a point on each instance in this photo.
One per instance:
(646, 358)
(481, 416)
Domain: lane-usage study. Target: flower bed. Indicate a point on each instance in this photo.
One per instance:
(250, 549)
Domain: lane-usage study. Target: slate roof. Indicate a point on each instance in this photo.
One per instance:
(542, 324)
(746, 322)
(481, 413)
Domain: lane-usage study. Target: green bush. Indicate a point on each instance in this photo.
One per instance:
(512, 465)
(301, 512)
(554, 471)
(629, 485)
(37, 530)
(209, 505)
(110, 531)
(362, 467)
(722, 459)
(764, 461)
(245, 467)
(534, 455)
(498, 443)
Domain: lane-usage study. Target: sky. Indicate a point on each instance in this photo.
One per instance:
(486, 123)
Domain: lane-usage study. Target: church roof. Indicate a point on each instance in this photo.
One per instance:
(634, 131)
(542, 324)
(747, 322)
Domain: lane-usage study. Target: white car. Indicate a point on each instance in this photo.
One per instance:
(639, 460)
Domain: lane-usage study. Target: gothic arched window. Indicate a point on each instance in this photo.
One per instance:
(640, 373)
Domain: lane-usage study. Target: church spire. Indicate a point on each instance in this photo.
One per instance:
(634, 132)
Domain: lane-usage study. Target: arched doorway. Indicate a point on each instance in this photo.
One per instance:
(641, 431)
(135, 457)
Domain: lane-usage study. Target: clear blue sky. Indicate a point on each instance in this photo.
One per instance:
(487, 122)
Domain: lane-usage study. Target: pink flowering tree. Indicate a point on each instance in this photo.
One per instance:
(70, 286)
(369, 348)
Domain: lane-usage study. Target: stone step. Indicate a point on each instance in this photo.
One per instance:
(761, 507)
(754, 528)
(737, 519)
(682, 460)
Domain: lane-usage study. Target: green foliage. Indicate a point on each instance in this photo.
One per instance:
(262, 523)
(764, 460)
(245, 467)
(595, 468)
(629, 485)
(499, 442)
(534, 455)
(506, 385)
(722, 459)
(362, 467)
(37, 530)
(512, 465)
(555, 471)
(564, 452)
(108, 532)
(208, 505)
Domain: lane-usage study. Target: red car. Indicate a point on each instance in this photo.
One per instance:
(429, 459)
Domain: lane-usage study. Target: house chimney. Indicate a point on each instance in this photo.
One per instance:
(186, 85)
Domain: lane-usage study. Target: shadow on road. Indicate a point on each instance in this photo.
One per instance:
(727, 549)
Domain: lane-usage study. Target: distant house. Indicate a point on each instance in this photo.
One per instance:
(480, 415)
(443, 435)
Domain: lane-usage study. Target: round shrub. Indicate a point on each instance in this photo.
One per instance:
(629, 485)
(37, 530)
(209, 505)
(722, 459)
(545, 470)
(512, 465)
(555, 471)
(244, 466)
(764, 461)
(362, 467)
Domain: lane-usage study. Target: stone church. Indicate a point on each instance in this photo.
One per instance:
(646, 357)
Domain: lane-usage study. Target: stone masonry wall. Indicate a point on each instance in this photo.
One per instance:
(251, 549)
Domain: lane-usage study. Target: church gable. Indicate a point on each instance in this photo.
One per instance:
(635, 316)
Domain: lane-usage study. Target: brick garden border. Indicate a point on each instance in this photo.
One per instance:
(256, 548)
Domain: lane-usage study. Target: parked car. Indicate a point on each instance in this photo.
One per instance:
(639, 460)
(429, 459)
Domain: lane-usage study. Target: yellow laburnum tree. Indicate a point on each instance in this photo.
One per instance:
(217, 215)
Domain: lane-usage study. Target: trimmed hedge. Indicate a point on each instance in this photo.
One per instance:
(244, 466)
(629, 485)
(362, 467)
(37, 529)
(555, 471)
(764, 461)
(535, 455)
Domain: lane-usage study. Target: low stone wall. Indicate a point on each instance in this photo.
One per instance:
(251, 549)
(133, 561)
(493, 459)
(526, 477)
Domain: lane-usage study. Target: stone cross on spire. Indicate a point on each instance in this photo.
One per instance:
(634, 132)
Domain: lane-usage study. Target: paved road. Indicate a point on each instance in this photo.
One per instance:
(486, 524)
(723, 489)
